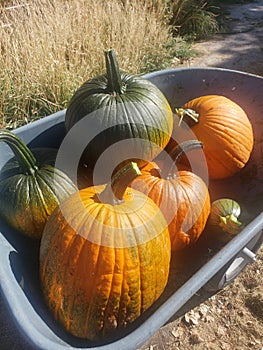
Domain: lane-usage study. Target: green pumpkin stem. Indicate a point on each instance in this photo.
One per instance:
(230, 224)
(190, 116)
(114, 191)
(179, 150)
(113, 73)
(24, 156)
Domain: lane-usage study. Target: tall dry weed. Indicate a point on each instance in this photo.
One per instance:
(48, 48)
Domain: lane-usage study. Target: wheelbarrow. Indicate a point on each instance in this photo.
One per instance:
(195, 280)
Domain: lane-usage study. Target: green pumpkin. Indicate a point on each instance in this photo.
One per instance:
(117, 106)
(30, 186)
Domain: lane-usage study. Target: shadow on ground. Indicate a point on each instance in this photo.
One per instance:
(239, 46)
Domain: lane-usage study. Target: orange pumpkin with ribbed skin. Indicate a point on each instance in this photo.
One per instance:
(225, 131)
(183, 198)
(103, 263)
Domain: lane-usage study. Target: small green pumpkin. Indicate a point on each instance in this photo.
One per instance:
(115, 107)
(224, 214)
(30, 186)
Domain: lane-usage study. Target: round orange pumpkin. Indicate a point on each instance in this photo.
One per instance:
(104, 258)
(225, 131)
(182, 196)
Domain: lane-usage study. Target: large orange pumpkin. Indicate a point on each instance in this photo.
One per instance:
(224, 129)
(104, 258)
(182, 196)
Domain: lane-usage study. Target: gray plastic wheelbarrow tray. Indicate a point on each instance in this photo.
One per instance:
(203, 275)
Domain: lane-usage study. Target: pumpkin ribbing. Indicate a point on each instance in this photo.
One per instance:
(182, 196)
(225, 130)
(30, 186)
(101, 264)
(117, 107)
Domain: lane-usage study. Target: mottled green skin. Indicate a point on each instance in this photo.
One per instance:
(27, 198)
(139, 111)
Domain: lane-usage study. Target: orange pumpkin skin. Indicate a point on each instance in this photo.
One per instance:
(103, 265)
(226, 132)
(183, 198)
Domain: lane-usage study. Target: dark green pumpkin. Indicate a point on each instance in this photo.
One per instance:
(117, 106)
(30, 186)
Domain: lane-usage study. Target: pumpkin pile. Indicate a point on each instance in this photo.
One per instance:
(106, 242)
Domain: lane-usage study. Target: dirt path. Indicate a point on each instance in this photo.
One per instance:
(239, 46)
(233, 318)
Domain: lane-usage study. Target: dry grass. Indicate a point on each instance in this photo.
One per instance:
(193, 18)
(48, 48)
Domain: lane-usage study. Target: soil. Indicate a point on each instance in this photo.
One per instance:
(238, 45)
(231, 318)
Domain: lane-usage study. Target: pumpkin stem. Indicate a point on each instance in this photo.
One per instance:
(113, 73)
(179, 150)
(230, 224)
(24, 156)
(191, 116)
(114, 191)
